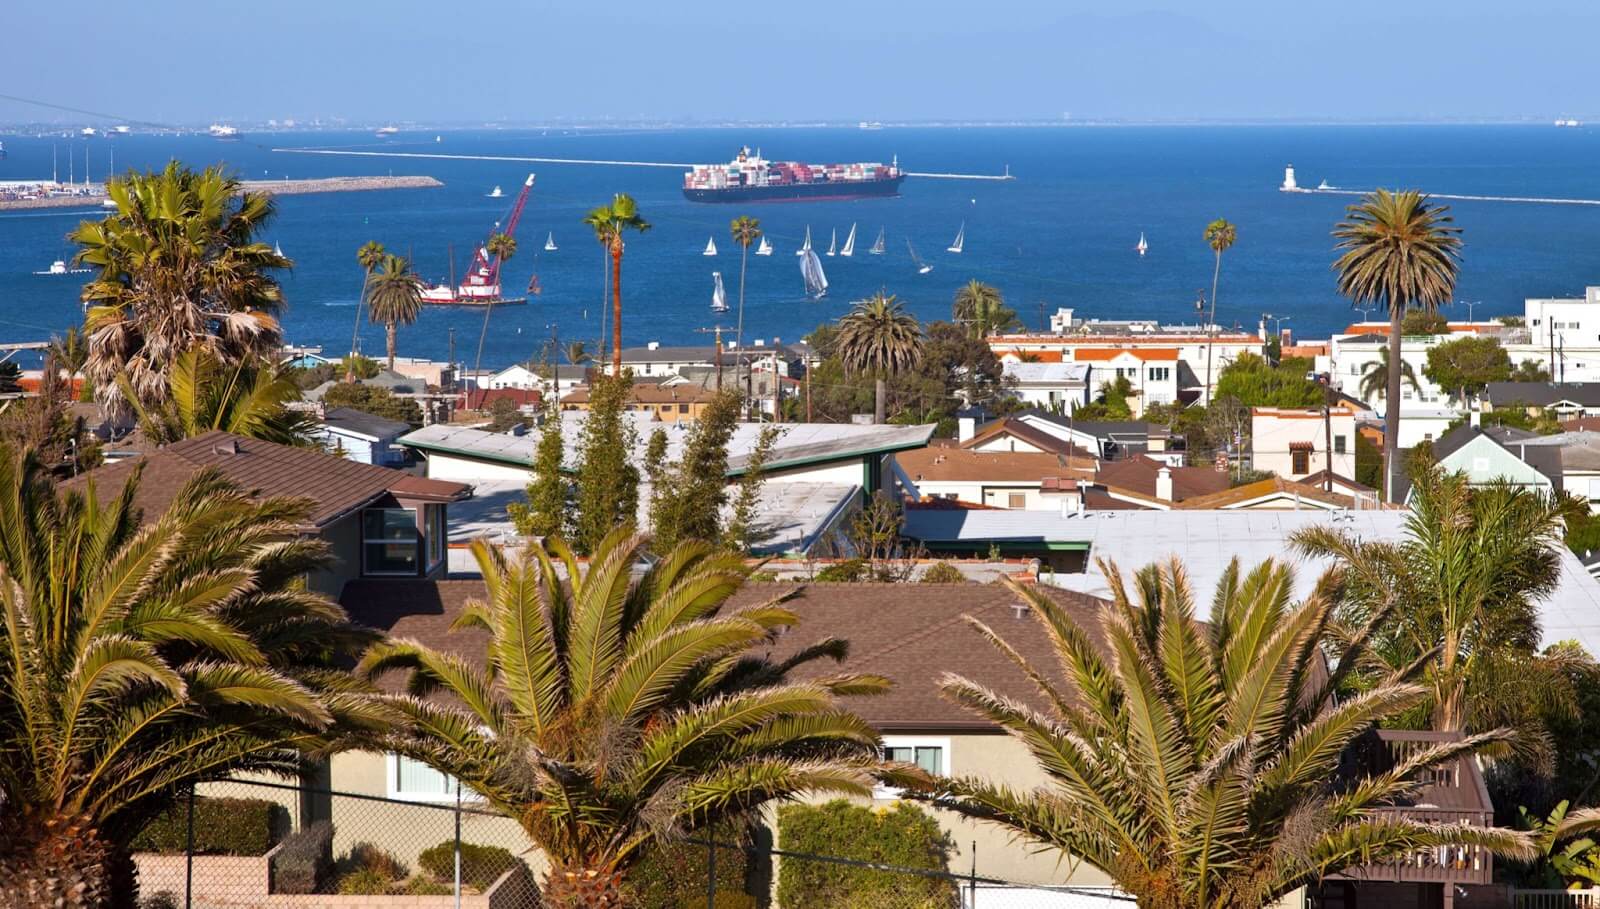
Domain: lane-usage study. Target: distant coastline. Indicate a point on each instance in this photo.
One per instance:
(275, 187)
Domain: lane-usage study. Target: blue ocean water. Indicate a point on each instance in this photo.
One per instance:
(1061, 234)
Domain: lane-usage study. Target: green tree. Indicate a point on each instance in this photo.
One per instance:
(1530, 371)
(1257, 383)
(610, 223)
(44, 424)
(608, 482)
(1191, 763)
(1369, 462)
(901, 836)
(179, 264)
(611, 713)
(546, 513)
(394, 298)
(1220, 236)
(370, 256)
(742, 531)
(878, 338)
(577, 353)
(70, 351)
(1110, 403)
(745, 230)
(982, 310)
(376, 400)
(204, 395)
(1375, 379)
(138, 661)
(687, 496)
(1463, 367)
(1424, 322)
(1400, 252)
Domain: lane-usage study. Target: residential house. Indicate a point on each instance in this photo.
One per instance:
(1294, 442)
(1276, 494)
(525, 400)
(514, 376)
(1562, 333)
(1566, 400)
(1359, 350)
(1493, 454)
(1152, 372)
(1060, 387)
(1011, 434)
(378, 522)
(998, 479)
(664, 403)
(405, 386)
(1576, 460)
(1107, 439)
(363, 437)
(434, 373)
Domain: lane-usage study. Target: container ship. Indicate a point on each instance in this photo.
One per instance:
(752, 178)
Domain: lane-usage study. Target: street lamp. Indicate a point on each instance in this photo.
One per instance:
(1469, 304)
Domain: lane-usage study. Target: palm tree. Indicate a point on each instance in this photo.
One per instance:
(70, 351)
(178, 264)
(610, 223)
(502, 247)
(577, 353)
(394, 296)
(138, 661)
(746, 230)
(1399, 251)
(878, 337)
(245, 399)
(982, 309)
(370, 255)
(1219, 236)
(1191, 762)
(1375, 380)
(612, 713)
(594, 221)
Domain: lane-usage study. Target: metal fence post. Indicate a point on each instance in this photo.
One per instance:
(711, 869)
(972, 879)
(458, 844)
(188, 853)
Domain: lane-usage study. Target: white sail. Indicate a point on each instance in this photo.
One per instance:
(877, 245)
(811, 271)
(960, 240)
(922, 267)
(277, 250)
(833, 241)
(719, 299)
(496, 193)
(1143, 246)
(765, 249)
(849, 243)
(550, 242)
(711, 247)
(806, 246)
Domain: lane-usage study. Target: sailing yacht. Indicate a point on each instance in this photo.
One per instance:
(550, 242)
(959, 241)
(719, 299)
(877, 245)
(811, 272)
(496, 193)
(806, 246)
(765, 249)
(922, 267)
(1143, 246)
(711, 247)
(849, 243)
(833, 241)
(277, 249)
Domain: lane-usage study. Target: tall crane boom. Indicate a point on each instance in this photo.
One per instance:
(486, 268)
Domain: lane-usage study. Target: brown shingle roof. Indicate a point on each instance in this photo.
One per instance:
(942, 463)
(1139, 475)
(651, 393)
(335, 485)
(1265, 487)
(1033, 436)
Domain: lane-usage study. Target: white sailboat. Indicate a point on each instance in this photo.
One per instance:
(1143, 246)
(496, 193)
(849, 243)
(922, 267)
(960, 240)
(719, 299)
(550, 242)
(811, 272)
(833, 241)
(806, 246)
(877, 245)
(711, 247)
(277, 249)
(765, 249)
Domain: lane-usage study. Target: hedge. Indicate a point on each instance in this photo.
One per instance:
(221, 827)
(481, 866)
(902, 835)
(672, 875)
(306, 860)
(943, 573)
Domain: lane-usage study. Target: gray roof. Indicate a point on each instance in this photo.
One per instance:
(362, 423)
(1543, 394)
(1122, 432)
(1047, 372)
(1522, 444)
(395, 382)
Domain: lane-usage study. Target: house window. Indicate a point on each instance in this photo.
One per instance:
(1338, 444)
(1160, 373)
(436, 534)
(683, 408)
(930, 754)
(390, 543)
(1301, 460)
(411, 780)
(1016, 500)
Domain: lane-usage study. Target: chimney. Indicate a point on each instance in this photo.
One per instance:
(966, 428)
(1164, 483)
(229, 446)
(1475, 417)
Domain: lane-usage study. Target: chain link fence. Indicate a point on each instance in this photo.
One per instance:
(263, 845)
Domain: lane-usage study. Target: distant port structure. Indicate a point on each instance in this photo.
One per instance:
(1291, 185)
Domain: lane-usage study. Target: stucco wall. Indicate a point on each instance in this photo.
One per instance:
(471, 470)
(344, 541)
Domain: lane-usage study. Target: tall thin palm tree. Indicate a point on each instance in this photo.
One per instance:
(982, 309)
(136, 661)
(612, 711)
(1191, 762)
(246, 399)
(746, 230)
(178, 264)
(1219, 236)
(370, 255)
(878, 337)
(594, 221)
(610, 223)
(394, 297)
(502, 247)
(1398, 251)
(70, 351)
(1375, 380)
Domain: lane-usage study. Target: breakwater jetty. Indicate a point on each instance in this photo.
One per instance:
(95, 196)
(1291, 185)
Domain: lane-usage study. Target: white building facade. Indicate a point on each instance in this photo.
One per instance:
(1294, 442)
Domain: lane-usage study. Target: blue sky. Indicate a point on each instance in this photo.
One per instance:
(477, 60)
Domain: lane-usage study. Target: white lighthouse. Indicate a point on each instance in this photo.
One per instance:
(1289, 186)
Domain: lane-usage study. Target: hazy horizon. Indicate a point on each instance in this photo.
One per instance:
(189, 61)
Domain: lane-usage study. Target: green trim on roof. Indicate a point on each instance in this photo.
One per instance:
(1008, 545)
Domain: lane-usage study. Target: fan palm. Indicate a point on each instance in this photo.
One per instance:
(70, 351)
(394, 297)
(370, 256)
(502, 247)
(1375, 380)
(745, 230)
(878, 337)
(1399, 251)
(1192, 763)
(610, 223)
(245, 399)
(577, 353)
(1220, 236)
(138, 661)
(178, 264)
(620, 712)
(982, 309)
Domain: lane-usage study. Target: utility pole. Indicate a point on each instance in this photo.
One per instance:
(808, 392)
(455, 378)
(777, 389)
(1327, 435)
(716, 330)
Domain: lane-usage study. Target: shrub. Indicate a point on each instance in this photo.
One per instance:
(481, 866)
(846, 571)
(764, 576)
(365, 882)
(943, 573)
(672, 875)
(221, 827)
(161, 899)
(901, 835)
(422, 885)
(367, 857)
(305, 860)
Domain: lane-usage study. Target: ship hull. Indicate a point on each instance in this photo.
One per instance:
(799, 192)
